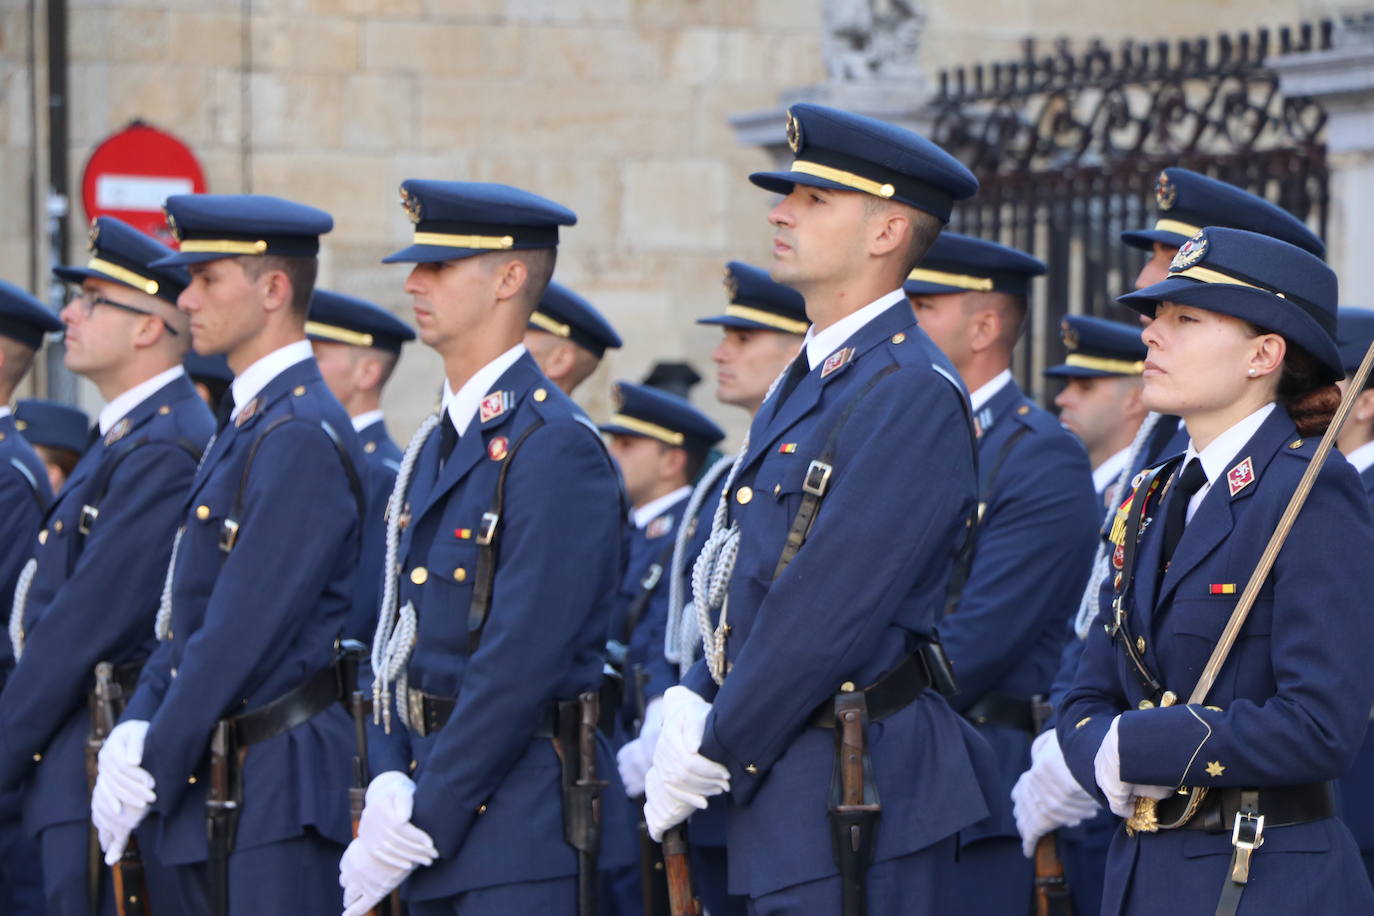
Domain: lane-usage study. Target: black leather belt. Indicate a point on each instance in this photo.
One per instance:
(891, 693)
(428, 713)
(999, 709)
(1282, 806)
(292, 708)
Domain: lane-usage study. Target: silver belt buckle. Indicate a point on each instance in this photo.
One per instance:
(415, 705)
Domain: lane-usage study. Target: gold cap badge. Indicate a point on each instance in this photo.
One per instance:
(731, 284)
(794, 133)
(1068, 335)
(1192, 251)
(1166, 192)
(411, 205)
(93, 234)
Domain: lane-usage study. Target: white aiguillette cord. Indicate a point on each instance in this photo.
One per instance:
(1145, 817)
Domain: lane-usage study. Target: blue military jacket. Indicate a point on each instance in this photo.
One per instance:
(870, 580)
(70, 621)
(646, 569)
(1357, 788)
(1007, 632)
(250, 625)
(25, 495)
(487, 791)
(1290, 705)
(382, 460)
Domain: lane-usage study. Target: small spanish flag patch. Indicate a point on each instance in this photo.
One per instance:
(1228, 588)
(787, 448)
(463, 534)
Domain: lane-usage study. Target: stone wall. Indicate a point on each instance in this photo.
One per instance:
(617, 108)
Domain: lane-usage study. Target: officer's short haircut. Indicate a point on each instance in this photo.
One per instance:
(925, 228)
(18, 362)
(696, 460)
(539, 264)
(388, 360)
(301, 271)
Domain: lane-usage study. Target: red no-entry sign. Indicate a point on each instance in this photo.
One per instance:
(133, 171)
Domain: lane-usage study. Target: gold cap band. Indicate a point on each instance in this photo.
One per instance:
(545, 323)
(645, 428)
(772, 319)
(338, 334)
(223, 246)
(124, 275)
(963, 281)
(840, 176)
(1102, 364)
(1207, 275)
(1173, 225)
(449, 240)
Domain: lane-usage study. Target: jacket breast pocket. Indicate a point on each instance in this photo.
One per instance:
(1197, 625)
(770, 508)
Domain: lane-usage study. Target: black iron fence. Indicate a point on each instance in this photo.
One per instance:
(1067, 146)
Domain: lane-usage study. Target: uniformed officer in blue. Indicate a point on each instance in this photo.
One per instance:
(1184, 200)
(1354, 331)
(24, 496)
(257, 591)
(568, 337)
(108, 536)
(843, 454)
(1100, 401)
(58, 432)
(1242, 348)
(357, 345)
(660, 442)
(761, 332)
(1004, 627)
(506, 531)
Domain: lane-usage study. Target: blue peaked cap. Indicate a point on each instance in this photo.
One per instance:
(759, 302)
(563, 313)
(121, 254)
(214, 226)
(655, 414)
(350, 320)
(459, 219)
(1099, 348)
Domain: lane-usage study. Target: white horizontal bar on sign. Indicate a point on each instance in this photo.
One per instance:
(138, 192)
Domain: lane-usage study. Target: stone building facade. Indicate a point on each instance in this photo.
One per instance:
(618, 108)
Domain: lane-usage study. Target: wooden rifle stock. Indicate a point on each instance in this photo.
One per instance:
(681, 900)
(127, 875)
(1051, 888)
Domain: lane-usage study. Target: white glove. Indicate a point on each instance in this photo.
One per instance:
(681, 779)
(123, 789)
(1107, 769)
(388, 847)
(634, 759)
(1047, 797)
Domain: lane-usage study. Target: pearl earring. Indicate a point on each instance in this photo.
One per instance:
(1251, 373)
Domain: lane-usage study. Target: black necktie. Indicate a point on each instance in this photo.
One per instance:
(226, 407)
(94, 436)
(1176, 515)
(800, 366)
(448, 438)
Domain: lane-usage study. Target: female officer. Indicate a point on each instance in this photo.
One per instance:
(1241, 348)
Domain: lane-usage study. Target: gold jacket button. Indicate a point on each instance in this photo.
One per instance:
(37, 758)
(419, 575)
(43, 536)
(898, 337)
(481, 809)
(540, 394)
(777, 488)
(1296, 443)
(298, 390)
(460, 574)
(1145, 704)
(164, 410)
(191, 780)
(751, 769)
(202, 512)
(370, 447)
(847, 687)
(174, 672)
(57, 526)
(1023, 410)
(743, 495)
(1083, 721)
(1140, 643)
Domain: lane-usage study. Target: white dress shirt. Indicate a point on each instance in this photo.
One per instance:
(462, 404)
(1105, 474)
(656, 507)
(989, 389)
(363, 420)
(819, 346)
(1217, 456)
(248, 383)
(1362, 457)
(122, 404)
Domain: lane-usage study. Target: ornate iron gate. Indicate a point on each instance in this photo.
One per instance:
(1067, 146)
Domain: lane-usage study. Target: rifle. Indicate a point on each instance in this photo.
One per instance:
(351, 653)
(652, 889)
(1051, 889)
(854, 805)
(575, 745)
(221, 813)
(681, 900)
(130, 882)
